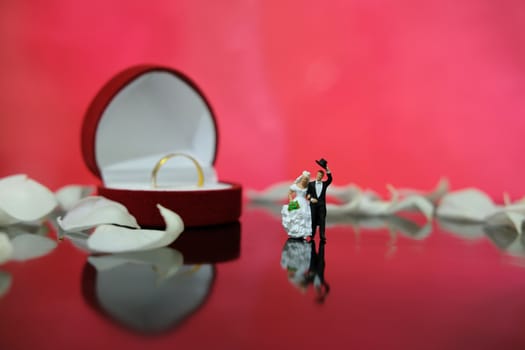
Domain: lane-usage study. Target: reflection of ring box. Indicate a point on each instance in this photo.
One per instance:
(210, 245)
(141, 115)
(126, 287)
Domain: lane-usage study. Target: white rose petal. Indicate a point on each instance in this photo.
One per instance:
(413, 202)
(466, 205)
(276, 192)
(69, 195)
(340, 211)
(116, 239)
(5, 283)
(29, 246)
(24, 200)
(370, 206)
(94, 211)
(433, 196)
(6, 248)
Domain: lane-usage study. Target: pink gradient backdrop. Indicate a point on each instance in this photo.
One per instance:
(399, 92)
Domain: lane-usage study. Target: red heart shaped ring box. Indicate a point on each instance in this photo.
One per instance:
(151, 136)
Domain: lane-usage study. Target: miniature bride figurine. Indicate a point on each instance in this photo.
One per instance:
(296, 215)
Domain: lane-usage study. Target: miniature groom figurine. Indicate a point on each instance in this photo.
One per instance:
(317, 194)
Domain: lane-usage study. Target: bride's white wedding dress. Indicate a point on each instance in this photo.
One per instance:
(298, 222)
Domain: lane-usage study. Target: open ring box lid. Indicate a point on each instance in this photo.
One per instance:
(140, 116)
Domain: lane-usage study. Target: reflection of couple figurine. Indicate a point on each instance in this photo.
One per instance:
(307, 207)
(305, 266)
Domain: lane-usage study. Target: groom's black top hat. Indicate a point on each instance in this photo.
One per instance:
(322, 163)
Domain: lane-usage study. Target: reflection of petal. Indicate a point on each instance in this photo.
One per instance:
(24, 200)
(79, 240)
(93, 211)
(409, 228)
(349, 208)
(165, 261)
(6, 248)
(516, 219)
(28, 246)
(369, 222)
(17, 229)
(68, 196)
(467, 230)
(116, 239)
(504, 235)
(468, 205)
(501, 231)
(508, 219)
(5, 283)
(516, 248)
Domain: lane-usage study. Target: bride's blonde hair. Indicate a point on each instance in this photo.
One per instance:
(305, 174)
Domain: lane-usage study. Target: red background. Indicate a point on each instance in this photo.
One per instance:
(399, 92)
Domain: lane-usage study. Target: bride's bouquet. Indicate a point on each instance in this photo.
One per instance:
(293, 205)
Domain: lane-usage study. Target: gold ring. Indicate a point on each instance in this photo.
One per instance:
(160, 163)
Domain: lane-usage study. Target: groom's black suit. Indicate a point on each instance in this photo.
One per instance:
(319, 209)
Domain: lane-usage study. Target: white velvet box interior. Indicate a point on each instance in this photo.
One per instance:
(156, 114)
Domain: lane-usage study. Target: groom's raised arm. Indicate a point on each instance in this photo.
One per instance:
(329, 174)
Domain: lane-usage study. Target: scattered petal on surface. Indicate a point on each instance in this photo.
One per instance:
(409, 228)
(94, 211)
(466, 205)
(6, 248)
(29, 246)
(349, 192)
(349, 208)
(276, 192)
(69, 195)
(433, 196)
(164, 261)
(24, 200)
(517, 207)
(116, 239)
(413, 202)
(370, 206)
(5, 283)
(279, 192)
